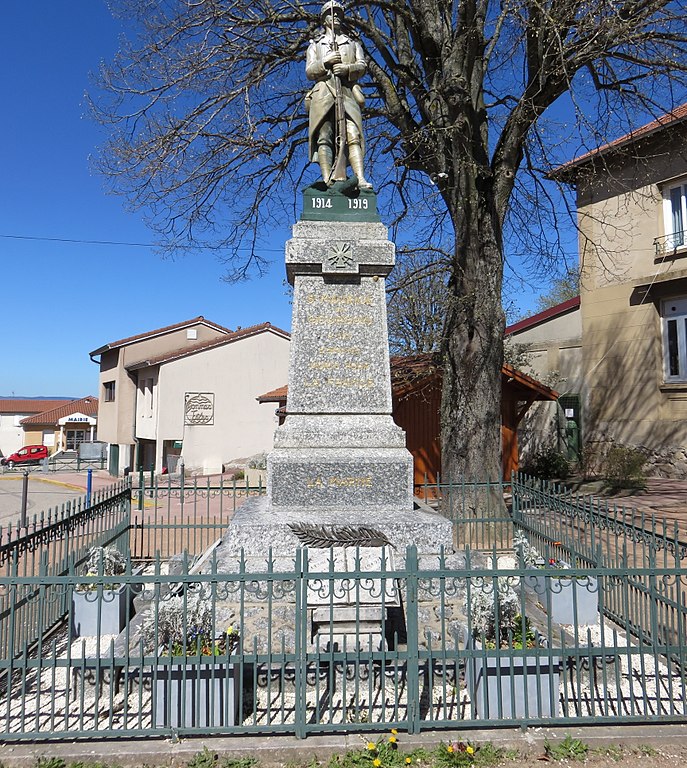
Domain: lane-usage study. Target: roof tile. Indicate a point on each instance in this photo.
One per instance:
(86, 405)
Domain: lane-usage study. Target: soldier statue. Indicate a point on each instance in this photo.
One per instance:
(335, 130)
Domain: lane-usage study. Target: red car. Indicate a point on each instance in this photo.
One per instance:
(29, 454)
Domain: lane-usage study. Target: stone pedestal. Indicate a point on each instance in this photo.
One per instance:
(339, 460)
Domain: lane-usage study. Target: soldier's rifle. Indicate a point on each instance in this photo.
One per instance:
(338, 172)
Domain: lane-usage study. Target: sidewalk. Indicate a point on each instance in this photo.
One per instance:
(663, 498)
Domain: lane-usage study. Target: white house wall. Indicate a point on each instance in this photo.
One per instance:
(11, 433)
(235, 374)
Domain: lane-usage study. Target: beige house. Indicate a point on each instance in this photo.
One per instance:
(65, 426)
(632, 218)
(550, 345)
(13, 411)
(187, 393)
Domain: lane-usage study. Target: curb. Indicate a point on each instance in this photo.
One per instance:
(276, 750)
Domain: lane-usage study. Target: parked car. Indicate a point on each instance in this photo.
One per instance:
(29, 454)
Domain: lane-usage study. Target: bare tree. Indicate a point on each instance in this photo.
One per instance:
(561, 289)
(416, 305)
(206, 107)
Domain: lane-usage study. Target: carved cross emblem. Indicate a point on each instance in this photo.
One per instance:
(340, 256)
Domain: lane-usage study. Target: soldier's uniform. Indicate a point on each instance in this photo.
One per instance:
(320, 101)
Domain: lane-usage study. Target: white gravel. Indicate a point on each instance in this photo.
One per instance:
(626, 682)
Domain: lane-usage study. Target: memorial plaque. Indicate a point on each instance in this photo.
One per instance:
(323, 203)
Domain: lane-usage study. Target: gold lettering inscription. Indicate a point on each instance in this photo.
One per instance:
(350, 301)
(340, 482)
(326, 365)
(345, 382)
(337, 320)
(341, 350)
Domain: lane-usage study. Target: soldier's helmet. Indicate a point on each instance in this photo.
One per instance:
(332, 6)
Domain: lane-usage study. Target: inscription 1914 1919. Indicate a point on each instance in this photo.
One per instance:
(323, 203)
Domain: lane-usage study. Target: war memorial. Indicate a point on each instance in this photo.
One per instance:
(340, 479)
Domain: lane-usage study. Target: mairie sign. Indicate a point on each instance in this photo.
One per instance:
(341, 202)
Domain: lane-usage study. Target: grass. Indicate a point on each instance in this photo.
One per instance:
(568, 749)
(387, 751)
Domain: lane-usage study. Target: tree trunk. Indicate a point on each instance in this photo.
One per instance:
(473, 338)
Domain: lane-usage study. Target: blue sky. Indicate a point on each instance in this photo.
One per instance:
(59, 300)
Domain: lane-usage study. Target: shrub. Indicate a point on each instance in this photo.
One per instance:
(547, 464)
(624, 467)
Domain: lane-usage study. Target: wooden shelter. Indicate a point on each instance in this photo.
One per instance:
(416, 397)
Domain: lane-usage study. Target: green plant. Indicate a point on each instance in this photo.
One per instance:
(495, 615)
(103, 561)
(50, 762)
(546, 464)
(185, 627)
(204, 759)
(91, 764)
(455, 754)
(488, 754)
(613, 751)
(382, 753)
(239, 475)
(646, 750)
(568, 749)
(623, 467)
(240, 762)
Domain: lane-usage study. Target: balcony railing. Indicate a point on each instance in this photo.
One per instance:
(668, 244)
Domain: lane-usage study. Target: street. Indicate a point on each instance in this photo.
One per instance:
(44, 493)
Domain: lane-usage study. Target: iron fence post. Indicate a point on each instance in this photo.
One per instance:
(413, 640)
(300, 641)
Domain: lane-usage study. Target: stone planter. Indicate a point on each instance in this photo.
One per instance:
(108, 605)
(510, 688)
(112, 607)
(188, 695)
(568, 600)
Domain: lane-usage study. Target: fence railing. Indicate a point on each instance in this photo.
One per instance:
(53, 544)
(313, 648)
(174, 515)
(396, 643)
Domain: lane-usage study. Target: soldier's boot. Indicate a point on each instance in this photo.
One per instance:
(355, 158)
(325, 159)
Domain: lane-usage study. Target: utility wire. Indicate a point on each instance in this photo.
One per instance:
(108, 242)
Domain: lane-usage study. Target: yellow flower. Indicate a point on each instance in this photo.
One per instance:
(470, 750)
(409, 760)
(376, 762)
(371, 746)
(392, 739)
(394, 732)
(449, 749)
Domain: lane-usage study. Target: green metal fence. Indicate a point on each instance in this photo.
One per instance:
(325, 650)
(172, 515)
(53, 544)
(471, 639)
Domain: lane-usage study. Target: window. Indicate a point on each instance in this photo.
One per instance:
(109, 387)
(675, 216)
(674, 312)
(146, 391)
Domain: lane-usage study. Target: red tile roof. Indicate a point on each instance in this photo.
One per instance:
(30, 405)
(529, 322)
(86, 405)
(201, 346)
(664, 121)
(274, 396)
(159, 332)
